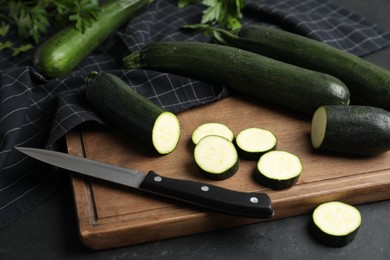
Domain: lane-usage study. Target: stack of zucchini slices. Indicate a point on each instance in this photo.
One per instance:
(214, 153)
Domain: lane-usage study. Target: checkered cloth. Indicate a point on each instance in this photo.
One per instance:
(37, 112)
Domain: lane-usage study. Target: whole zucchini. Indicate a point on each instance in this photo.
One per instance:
(64, 50)
(368, 83)
(243, 71)
(142, 118)
(360, 130)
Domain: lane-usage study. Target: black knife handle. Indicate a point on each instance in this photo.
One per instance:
(254, 205)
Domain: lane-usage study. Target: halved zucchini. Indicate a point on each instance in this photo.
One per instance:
(216, 157)
(335, 223)
(361, 130)
(253, 142)
(123, 106)
(212, 129)
(278, 170)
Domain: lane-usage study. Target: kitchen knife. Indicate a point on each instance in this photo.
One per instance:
(245, 204)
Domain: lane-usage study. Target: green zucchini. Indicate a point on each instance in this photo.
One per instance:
(216, 157)
(368, 83)
(243, 71)
(212, 128)
(121, 104)
(62, 52)
(253, 142)
(335, 224)
(278, 170)
(362, 130)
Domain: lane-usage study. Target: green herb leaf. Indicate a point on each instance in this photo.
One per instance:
(5, 45)
(21, 48)
(184, 3)
(226, 13)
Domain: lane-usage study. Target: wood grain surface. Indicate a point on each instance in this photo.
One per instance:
(113, 216)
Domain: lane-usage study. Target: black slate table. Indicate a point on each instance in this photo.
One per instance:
(50, 231)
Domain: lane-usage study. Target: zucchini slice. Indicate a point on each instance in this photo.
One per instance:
(251, 143)
(361, 130)
(278, 170)
(123, 106)
(212, 129)
(335, 224)
(216, 157)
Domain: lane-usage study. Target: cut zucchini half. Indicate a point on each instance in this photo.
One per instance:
(216, 157)
(253, 142)
(278, 170)
(335, 223)
(141, 118)
(166, 133)
(212, 129)
(361, 130)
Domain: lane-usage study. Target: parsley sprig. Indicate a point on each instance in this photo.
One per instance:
(225, 13)
(32, 19)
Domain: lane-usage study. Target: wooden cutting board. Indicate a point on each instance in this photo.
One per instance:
(111, 216)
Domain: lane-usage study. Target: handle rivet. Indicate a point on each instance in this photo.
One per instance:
(254, 200)
(157, 179)
(205, 188)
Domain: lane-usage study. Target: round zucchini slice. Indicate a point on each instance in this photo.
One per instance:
(212, 129)
(335, 224)
(278, 170)
(216, 157)
(253, 142)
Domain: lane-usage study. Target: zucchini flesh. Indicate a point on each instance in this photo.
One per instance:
(278, 170)
(243, 71)
(216, 157)
(251, 143)
(166, 133)
(369, 84)
(64, 50)
(212, 129)
(361, 130)
(335, 223)
(142, 118)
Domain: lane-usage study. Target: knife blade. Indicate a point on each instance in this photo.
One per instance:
(244, 204)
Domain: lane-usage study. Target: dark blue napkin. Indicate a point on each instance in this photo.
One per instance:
(36, 111)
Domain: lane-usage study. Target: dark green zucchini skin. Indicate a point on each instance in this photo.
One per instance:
(251, 156)
(221, 176)
(361, 130)
(62, 52)
(331, 240)
(273, 183)
(243, 71)
(368, 83)
(122, 105)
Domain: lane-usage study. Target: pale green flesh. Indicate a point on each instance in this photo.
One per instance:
(166, 133)
(212, 129)
(215, 154)
(318, 127)
(337, 218)
(279, 165)
(256, 140)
